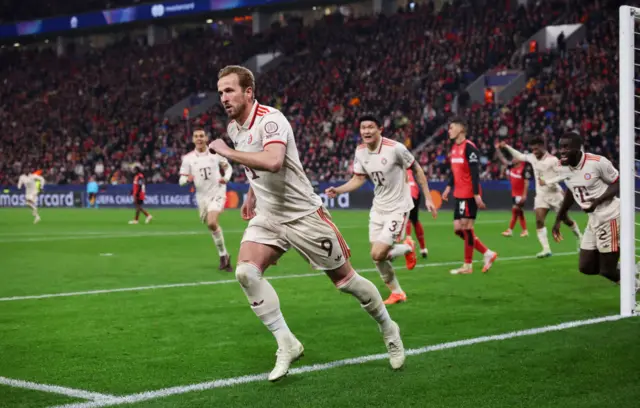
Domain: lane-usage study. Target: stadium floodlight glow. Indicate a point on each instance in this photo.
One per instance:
(209, 21)
(629, 25)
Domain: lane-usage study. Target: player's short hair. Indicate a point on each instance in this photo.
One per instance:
(459, 120)
(535, 140)
(245, 76)
(137, 169)
(574, 137)
(371, 118)
(200, 129)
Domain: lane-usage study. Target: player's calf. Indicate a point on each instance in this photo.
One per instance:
(588, 262)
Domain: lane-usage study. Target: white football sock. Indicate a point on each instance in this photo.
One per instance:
(399, 250)
(388, 275)
(264, 302)
(576, 230)
(369, 298)
(544, 240)
(218, 239)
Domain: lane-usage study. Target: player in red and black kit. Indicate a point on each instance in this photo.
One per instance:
(465, 181)
(519, 174)
(138, 193)
(416, 195)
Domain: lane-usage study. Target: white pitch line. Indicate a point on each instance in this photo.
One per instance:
(225, 281)
(56, 389)
(228, 382)
(24, 237)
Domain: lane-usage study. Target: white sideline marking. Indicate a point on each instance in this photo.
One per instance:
(53, 236)
(227, 382)
(225, 281)
(55, 389)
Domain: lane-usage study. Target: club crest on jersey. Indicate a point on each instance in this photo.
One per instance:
(587, 176)
(250, 139)
(271, 127)
(384, 161)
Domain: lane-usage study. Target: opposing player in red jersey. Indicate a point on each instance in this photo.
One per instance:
(416, 195)
(139, 195)
(465, 181)
(519, 174)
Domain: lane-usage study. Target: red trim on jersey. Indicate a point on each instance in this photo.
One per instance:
(343, 244)
(359, 174)
(613, 224)
(380, 147)
(273, 141)
(255, 113)
(412, 163)
(614, 181)
(261, 110)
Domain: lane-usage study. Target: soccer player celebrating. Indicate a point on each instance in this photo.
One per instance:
(519, 175)
(465, 181)
(593, 184)
(547, 172)
(202, 168)
(416, 196)
(284, 212)
(138, 193)
(385, 162)
(32, 184)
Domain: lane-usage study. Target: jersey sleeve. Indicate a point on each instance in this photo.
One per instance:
(358, 170)
(607, 170)
(473, 159)
(405, 158)
(275, 129)
(185, 167)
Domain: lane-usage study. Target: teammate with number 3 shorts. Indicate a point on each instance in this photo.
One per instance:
(385, 162)
(284, 212)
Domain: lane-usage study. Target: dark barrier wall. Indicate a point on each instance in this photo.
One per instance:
(496, 194)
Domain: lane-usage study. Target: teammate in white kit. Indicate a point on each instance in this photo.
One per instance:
(30, 182)
(202, 168)
(285, 212)
(549, 196)
(385, 162)
(592, 183)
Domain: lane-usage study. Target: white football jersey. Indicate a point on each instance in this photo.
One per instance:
(546, 168)
(387, 168)
(589, 180)
(205, 168)
(29, 183)
(283, 196)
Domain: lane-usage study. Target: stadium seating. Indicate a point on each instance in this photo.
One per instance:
(98, 114)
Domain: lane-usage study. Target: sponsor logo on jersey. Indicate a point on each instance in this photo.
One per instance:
(587, 176)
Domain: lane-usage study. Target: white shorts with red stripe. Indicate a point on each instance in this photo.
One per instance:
(387, 228)
(604, 238)
(314, 236)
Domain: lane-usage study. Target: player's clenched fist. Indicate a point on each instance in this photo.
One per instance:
(331, 192)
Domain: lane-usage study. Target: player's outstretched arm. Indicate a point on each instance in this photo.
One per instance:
(562, 214)
(515, 153)
(20, 182)
(501, 157)
(355, 183)
(421, 178)
(270, 159)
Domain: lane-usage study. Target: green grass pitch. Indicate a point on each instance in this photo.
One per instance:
(128, 342)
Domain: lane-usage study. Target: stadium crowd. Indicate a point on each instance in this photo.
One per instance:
(103, 112)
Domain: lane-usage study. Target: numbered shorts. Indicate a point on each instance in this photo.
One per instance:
(387, 228)
(604, 238)
(549, 201)
(465, 208)
(314, 236)
(214, 202)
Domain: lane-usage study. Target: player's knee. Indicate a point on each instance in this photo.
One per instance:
(212, 225)
(379, 254)
(539, 224)
(587, 267)
(246, 273)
